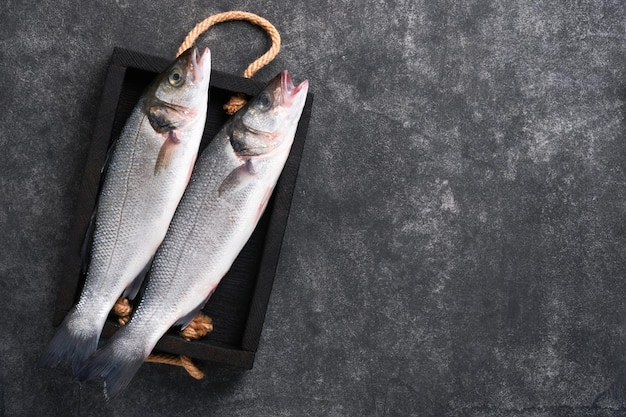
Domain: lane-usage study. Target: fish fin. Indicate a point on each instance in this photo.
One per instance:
(263, 204)
(107, 160)
(237, 179)
(188, 318)
(191, 166)
(131, 291)
(71, 344)
(85, 250)
(166, 153)
(117, 363)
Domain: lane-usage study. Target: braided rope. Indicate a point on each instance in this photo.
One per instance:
(237, 101)
(175, 360)
(271, 31)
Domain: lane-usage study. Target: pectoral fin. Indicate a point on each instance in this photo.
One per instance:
(131, 291)
(263, 204)
(238, 178)
(166, 153)
(85, 249)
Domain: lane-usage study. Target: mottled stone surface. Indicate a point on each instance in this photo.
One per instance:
(456, 245)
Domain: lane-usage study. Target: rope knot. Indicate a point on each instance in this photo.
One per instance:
(235, 103)
(122, 309)
(199, 327)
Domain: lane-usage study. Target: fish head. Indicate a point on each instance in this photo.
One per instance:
(270, 119)
(185, 83)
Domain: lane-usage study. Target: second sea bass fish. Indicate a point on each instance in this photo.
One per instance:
(227, 194)
(147, 173)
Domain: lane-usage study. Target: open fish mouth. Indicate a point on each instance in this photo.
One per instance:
(289, 90)
(200, 63)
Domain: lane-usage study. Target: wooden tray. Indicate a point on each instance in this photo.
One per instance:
(239, 304)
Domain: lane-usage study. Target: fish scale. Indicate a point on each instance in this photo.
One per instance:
(229, 189)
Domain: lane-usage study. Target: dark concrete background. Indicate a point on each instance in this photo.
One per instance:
(457, 237)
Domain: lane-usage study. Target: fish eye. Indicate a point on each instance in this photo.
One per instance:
(264, 102)
(175, 77)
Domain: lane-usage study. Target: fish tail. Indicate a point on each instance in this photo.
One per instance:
(71, 342)
(117, 363)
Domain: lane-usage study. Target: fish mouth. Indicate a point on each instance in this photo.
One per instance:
(290, 92)
(201, 64)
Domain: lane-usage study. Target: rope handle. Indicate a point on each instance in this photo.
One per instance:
(237, 101)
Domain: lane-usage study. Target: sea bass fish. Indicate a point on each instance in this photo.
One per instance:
(229, 190)
(146, 175)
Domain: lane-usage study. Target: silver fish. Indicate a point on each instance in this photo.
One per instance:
(228, 192)
(146, 175)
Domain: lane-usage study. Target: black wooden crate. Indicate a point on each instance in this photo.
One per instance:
(239, 304)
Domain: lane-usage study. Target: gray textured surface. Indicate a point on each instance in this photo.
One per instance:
(456, 243)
